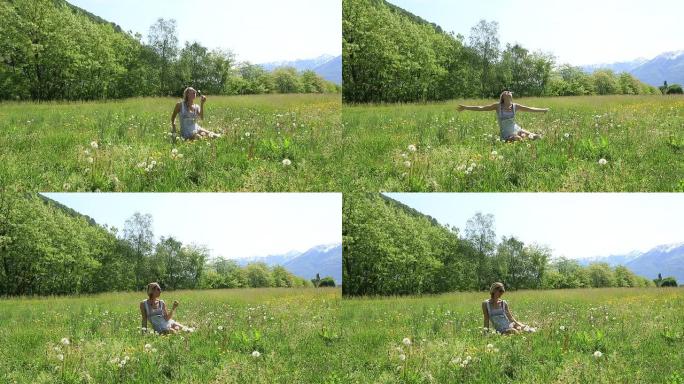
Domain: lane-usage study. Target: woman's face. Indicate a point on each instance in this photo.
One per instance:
(156, 291)
(191, 95)
(498, 292)
(507, 96)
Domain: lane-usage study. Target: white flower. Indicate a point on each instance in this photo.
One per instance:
(90, 160)
(404, 156)
(402, 357)
(60, 357)
(494, 153)
(407, 164)
(87, 152)
(412, 148)
(461, 167)
(406, 341)
(148, 347)
(456, 360)
(468, 358)
(65, 341)
(247, 134)
(473, 165)
(490, 346)
(220, 327)
(114, 360)
(153, 163)
(603, 161)
(286, 162)
(94, 144)
(256, 354)
(566, 135)
(598, 354)
(174, 151)
(126, 358)
(562, 327)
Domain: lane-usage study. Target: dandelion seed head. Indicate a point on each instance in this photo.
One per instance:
(256, 354)
(603, 161)
(406, 341)
(287, 162)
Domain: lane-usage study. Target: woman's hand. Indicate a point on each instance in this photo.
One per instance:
(460, 108)
(175, 304)
(203, 99)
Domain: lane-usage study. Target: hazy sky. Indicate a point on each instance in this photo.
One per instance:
(572, 224)
(577, 32)
(230, 224)
(256, 30)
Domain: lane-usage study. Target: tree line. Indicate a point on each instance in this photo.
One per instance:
(391, 249)
(52, 50)
(390, 55)
(49, 249)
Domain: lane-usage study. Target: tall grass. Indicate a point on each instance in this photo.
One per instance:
(640, 137)
(295, 331)
(47, 146)
(638, 332)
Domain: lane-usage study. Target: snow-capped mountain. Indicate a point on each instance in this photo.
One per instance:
(666, 259)
(668, 66)
(327, 66)
(325, 259)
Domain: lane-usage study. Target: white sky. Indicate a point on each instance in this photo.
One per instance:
(577, 32)
(573, 225)
(255, 30)
(232, 225)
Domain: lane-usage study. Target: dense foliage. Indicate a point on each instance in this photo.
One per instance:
(390, 55)
(46, 249)
(389, 249)
(53, 50)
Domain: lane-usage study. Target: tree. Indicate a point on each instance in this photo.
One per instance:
(480, 233)
(258, 275)
(327, 282)
(286, 80)
(484, 39)
(669, 282)
(162, 38)
(138, 233)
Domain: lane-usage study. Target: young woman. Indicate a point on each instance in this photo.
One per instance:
(497, 312)
(154, 311)
(505, 114)
(189, 113)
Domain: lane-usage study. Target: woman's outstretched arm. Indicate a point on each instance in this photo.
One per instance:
(176, 111)
(143, 322)
(491, 107)
(530, 109)
(485, 313)
(510, 316)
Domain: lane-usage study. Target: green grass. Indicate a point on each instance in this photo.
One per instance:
(640, 333)
(46, 146)
(295, 330)
(641, 137)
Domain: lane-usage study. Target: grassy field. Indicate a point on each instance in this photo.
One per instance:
(641, 139)
(47, 146)
(295, 331)
(638, 332)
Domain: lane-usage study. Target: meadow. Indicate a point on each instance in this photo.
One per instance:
(611, 335)
(590, 143)
(269, 143)
(269, 335)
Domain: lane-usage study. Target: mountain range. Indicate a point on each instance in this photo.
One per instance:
(325, 260)
(666, 259)
(668, 66)
(327, 66)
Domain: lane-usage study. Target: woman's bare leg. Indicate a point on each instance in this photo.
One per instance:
(208, 133)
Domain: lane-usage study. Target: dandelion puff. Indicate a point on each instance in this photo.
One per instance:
(412, 148)
(490, 346)
(148, 346)
(603, 161)
(562, 327)
(407, 164)
(406, 341)
(174, 151)
(597, 354)
(566, 135)
(256, 354)
(456, 360)
(114, 360)
(402, 357)
(94, 144)
(404, 156)
(494, 153)
(220, 327)
(90, 160)
(60, 357)
(65, 341)
(247, 134)
(287, 162)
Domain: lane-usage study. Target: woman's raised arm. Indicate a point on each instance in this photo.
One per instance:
(530, 109)
(491, 107)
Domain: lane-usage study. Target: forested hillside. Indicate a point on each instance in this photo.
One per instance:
(390, 249)
(46, 248)
(53, 50)
(390, 55)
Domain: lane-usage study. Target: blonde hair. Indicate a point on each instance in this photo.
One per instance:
(185, 94)
(151, 287)
(495, 286)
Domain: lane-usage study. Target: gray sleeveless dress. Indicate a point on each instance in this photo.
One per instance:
(507, 125)
(498, 317)
(156, 317)
(188, 120)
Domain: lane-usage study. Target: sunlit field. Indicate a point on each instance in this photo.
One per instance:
(269, 143)
(274, 335)
(612, 335)
(592, 143)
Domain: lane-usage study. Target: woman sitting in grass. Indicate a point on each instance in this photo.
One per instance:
(154, 310)
(189, 113)
(497, 312)
(505, 114)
